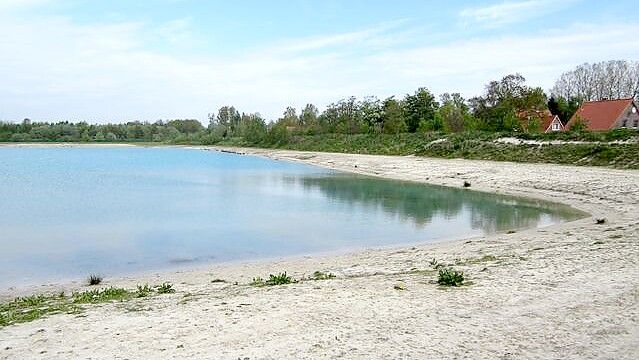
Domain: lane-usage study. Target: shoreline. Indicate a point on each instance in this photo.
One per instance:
(559, 282)
(76, 284)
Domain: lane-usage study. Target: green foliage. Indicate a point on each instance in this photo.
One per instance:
(279, 279)
(29, 308)
(320, 275)
(103, 295)
(273, 280)
(25, 309)
(420, 111)
(165, 288)
(143, 291)
(450, 277)
(393, 121)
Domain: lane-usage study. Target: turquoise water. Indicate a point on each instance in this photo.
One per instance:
(69, 212)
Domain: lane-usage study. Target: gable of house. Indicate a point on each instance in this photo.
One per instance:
(602, 115)
(629, 118)
(552, 123)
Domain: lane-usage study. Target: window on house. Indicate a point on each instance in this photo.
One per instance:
(555, 126)
(636, 125)
(634, 109)
(624, 123)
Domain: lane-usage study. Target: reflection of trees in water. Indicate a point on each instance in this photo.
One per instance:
(420, 203)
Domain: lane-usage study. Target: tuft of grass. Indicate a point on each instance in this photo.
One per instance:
(94, 279)
(165, 288)
(257, 281)
(450, 277)
(320, 275)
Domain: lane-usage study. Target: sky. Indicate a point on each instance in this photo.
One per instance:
(119, 60)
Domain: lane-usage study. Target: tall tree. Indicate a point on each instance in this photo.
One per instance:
(421, 107)
(393, 117)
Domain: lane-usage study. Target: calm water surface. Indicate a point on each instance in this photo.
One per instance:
(68, 212)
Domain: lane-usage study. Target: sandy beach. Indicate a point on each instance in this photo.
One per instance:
(569, 291)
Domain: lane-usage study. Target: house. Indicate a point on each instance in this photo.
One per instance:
(546, 121)
(606, 115)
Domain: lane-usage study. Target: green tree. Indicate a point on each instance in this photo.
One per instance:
(421, 107)
(393, 117)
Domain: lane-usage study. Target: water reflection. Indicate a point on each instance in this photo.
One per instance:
(420, 203)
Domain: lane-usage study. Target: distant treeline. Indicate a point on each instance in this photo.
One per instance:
(499, 109)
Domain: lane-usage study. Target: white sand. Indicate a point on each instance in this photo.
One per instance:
(569, 291)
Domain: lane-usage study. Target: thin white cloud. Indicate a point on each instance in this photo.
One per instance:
(366, 36)
(512, 11)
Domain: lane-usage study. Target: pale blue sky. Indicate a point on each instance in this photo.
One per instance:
(125, 60)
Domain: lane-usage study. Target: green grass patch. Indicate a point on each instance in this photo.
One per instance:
(450, 277)
(29, 308)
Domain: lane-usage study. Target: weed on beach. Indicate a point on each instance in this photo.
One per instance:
(165, 288)
(450, 277)
(273, 280)
(320, 275)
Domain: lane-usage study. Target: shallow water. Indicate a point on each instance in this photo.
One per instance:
(69, 212)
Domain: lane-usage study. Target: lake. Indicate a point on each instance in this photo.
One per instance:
(67, 212)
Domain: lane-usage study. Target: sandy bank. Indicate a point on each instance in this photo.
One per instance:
(567, 291)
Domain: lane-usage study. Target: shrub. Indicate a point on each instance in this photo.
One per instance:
(450, 277)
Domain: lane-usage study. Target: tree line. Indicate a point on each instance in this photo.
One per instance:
(498, 109)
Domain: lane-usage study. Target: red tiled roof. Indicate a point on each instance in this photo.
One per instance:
(600, 115)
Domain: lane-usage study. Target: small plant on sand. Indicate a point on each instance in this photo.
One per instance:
(436, 264)
(450, 277)
(320, 275)
(279, 279)
(166, 288)
(143, 291)
(94, 279)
